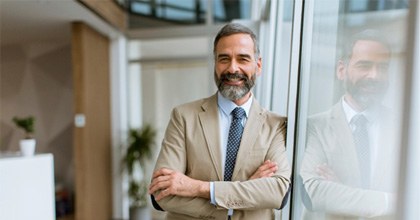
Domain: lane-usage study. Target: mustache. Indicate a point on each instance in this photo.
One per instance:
(369, 83)
(233, 76)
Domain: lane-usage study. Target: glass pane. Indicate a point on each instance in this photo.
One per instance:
(143, 13)
(188, 4)
(185, 12)
(177, 15)
(349, 110)
(141, 8)
(225, 11)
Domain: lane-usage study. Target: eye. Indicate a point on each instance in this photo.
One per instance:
(244, 59)
(364, 66)
(223, 60)
(383, 67)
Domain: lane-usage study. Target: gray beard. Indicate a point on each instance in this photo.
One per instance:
(364, 100)
(235, 92)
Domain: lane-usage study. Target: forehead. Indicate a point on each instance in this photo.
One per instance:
(369, 49)
(240, 41)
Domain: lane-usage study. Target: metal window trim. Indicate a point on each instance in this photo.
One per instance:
(408, 123)
(295, 59)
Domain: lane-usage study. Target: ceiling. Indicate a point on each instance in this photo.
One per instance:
(28, 21)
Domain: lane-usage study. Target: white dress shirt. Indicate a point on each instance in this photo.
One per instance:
(225, 107)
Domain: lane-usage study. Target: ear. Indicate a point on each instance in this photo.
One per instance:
(341, 70)
(259, 67)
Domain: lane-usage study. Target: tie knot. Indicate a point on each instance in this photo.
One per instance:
(238, 113)
(359, 120)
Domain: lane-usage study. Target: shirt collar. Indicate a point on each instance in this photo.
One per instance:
(227, 105)
(350, 112)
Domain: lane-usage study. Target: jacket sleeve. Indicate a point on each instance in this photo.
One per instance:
(262, 193)
(321, 195)
(173, 155)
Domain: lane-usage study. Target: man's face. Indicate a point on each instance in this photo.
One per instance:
(366, 73)
(236, 67)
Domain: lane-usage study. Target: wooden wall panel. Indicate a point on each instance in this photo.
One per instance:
(92, 142)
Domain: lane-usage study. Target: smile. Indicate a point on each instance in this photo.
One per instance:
(233, 81)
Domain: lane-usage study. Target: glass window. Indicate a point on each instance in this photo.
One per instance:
(171, 12)
(349, 109)
(141, 8)
(225, 11)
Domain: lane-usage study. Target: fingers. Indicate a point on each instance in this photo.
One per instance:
(324, 171)
(167, 182)
(161, 172)
(162, 194)
(161, 181)
(267, 169)
(159, 177)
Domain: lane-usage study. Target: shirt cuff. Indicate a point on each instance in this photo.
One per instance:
(212, 197)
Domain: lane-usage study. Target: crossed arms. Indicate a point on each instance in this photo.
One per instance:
(170, 182)
(183, 187)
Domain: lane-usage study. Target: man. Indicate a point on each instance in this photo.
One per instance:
(200, 173)
(349, 166)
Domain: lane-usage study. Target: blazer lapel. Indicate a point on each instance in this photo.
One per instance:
(249, 136)
(209, 120)
(345, 144)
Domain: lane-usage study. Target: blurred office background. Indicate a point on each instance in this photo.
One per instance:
(90, 70)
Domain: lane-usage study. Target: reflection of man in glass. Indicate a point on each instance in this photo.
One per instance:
(348, 169)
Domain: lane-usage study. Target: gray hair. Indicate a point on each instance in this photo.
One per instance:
(235, 28)
(368, 34)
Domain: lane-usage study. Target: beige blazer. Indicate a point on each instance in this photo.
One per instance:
(330, 142)
(192, 146)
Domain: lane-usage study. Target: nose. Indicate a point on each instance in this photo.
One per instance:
(373, 73)
(233, 67)
(377, 72)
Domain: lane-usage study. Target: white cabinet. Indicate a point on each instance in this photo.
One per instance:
(27, 188)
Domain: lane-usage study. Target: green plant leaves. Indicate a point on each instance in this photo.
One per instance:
(140, 148)
(26, 123)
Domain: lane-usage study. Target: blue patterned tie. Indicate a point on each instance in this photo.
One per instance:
(361, 139)
(234, 139)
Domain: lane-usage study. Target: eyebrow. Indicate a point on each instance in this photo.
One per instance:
(369, 62)
(240, 55)
(363, 62)
(222, 55)
(245, 56)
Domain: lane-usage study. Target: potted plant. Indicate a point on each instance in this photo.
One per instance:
(139, 150)
(27, 145)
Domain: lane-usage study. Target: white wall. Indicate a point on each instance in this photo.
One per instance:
(162, 74)
(36, 79)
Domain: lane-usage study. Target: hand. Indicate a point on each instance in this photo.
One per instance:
(170, 182)
(326, 173)
(267, 169)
